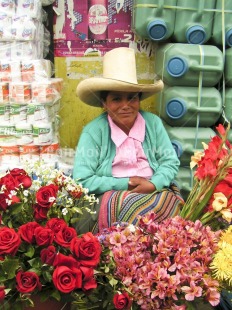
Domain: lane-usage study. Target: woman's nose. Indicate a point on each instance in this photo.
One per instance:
(125, 102)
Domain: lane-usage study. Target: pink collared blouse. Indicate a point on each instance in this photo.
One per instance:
(130, 159)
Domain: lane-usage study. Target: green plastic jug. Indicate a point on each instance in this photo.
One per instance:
(230, 135)
(185, 179)
(228, 66)
(228, 105)
(154, 20)
(188, 106)
(189, 64)
(222, 23)
(194, 21)
(187, 140)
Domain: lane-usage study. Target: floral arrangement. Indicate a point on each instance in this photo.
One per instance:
(40, 252)
(162, 265)
(167, 265)
(210, 200)
(222, 261)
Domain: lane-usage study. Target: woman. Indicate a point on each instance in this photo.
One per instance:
(125, 154)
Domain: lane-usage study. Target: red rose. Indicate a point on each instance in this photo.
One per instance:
(48, 255)
(3, 201)
(27, 281)
(21, 177)
(87, 249)
(9, 182)
(88, 280)
(66, 279)
(65, 236)
(27, 231)
(40, 213)
(9, 241)
(2, 293)
(44, 236)
(56, 224)
(122, 301)
(46, 195)
(63, 260)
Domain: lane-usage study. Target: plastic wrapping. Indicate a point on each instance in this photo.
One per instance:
(29, 96)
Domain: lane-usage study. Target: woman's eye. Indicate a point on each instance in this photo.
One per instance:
(116, 99)
(133, 98)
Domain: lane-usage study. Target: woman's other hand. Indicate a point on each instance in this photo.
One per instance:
(140, 185)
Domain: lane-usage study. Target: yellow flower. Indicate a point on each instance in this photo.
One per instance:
(220, 201)
(222, 263)
(195, 158)
(227, 235)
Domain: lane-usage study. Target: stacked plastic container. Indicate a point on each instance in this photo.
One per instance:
(191, 57)
(29, 97)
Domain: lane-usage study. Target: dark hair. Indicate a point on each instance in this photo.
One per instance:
(104, 94)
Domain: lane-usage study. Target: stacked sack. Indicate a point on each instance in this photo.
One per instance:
(29, 97)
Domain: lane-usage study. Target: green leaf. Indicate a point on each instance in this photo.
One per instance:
(30, 251)
(47, 276)
(77, 210)
(113, 282)
(36, 263)
(9, 266)
(56, 294)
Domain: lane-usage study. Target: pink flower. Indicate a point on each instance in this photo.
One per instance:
(192, 291)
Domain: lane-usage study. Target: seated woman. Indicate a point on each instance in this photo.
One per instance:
(125, 155)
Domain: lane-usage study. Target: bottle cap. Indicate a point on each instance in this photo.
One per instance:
(229, 37)
(196, 35)
(176, 108)
(177, 66)
(177, 147)
(157, 30)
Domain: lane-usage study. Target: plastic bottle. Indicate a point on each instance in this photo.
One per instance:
(97, 19)
(186, 106)
(187, 140)
(194, 20)
(222, 23)
(228, 105)
(189, 64)
(230, 135)
(184, 180)
(228, 68)
(154, 21)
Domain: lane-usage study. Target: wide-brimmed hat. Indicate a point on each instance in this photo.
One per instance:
(119, 74)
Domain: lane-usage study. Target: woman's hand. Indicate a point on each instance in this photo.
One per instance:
(140, 185)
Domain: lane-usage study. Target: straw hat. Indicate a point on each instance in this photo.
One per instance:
(119, 74)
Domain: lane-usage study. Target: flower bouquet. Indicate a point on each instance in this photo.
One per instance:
(161, 265)
(210, 200)
(40, 251)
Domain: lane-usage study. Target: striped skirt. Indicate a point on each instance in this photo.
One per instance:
(124, 206)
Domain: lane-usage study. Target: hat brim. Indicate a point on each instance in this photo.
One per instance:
(89, 90)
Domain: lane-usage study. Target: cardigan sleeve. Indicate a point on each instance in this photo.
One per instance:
(91, 171)
(168, 162)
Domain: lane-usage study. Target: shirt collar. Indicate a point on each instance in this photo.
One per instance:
(137, 132)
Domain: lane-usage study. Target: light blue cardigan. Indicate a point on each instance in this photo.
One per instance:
(95, 153)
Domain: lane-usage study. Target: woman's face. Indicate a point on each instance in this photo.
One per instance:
(123, 108)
